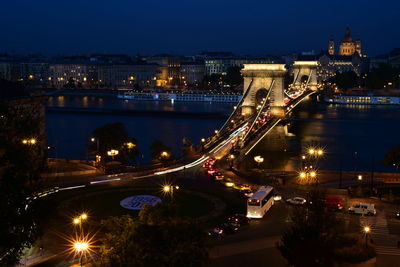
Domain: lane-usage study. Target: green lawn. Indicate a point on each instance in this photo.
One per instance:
(106, 203)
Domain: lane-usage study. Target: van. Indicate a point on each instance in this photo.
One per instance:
(334, 202)
(363, 209)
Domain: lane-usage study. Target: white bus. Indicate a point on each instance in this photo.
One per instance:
(260, 202)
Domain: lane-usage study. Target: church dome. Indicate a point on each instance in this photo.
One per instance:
(347, 36)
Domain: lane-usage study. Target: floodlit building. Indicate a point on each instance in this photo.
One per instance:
(347, 46)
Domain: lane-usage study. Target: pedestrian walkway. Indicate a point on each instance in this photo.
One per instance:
(385, 243)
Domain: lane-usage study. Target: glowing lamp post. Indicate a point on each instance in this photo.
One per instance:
(81, 218)
(309, 174)
(367, 230)
(130, 145)
(80, 248)
(112, 153)
(169, 189)
(31, 141)
(315, 152)
(93, 140)
(259, 160)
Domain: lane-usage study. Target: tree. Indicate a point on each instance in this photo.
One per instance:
(20, 166)
(382, 76)
(160, 152)
(345, 80)
(212, 81)
(314, 233)
(392, 157)
(233, 76)
(114, 136)
(158, 237)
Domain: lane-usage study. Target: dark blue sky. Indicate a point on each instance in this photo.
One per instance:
(189, 26)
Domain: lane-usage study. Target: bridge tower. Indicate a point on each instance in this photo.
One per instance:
(305, 71)
(262, 77)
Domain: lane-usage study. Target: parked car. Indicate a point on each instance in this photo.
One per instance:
(224, 229)
(277, 197)
(334, 202)
(363, 209)
(296, 201)
(216, 232)
(239, 218)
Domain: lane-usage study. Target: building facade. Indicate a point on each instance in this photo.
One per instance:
(221, 65)
(192, 72)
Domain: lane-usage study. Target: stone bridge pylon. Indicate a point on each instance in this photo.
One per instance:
(305, 72)
(259, 79)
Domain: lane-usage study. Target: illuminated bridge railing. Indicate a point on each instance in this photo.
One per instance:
(256, 136)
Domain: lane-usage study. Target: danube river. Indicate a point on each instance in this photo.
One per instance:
(355, 137)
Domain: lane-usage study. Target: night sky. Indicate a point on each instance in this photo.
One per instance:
(191, 26)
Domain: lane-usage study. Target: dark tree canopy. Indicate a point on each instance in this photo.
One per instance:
(160, 152)
(233, 76)
(10, 89)
(114, 136)
(313, 233)
(212, 81)
(157, 238)
(392, 156)
(345, 80)
(379, 78)
(19, 172)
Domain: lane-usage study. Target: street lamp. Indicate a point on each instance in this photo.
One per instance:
(94, 139)
(76, 221)
(79, 219)
(309, 173)
(130, 145)
(30, 141)
(112, 153)
(367, 230)
(259, 159)
(84, 216)
(169, 189)
(315, 152)
(359, 177)
(81, 247)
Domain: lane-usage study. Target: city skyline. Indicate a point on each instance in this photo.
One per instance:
(191, 27)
